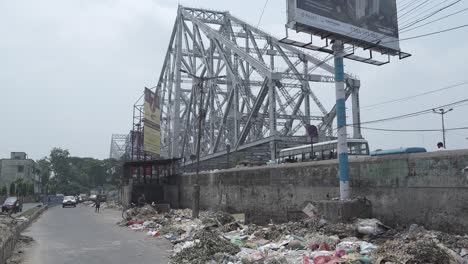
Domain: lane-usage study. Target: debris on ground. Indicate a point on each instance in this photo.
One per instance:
(24, 243)
(7, 224)
(204, 247)
(111, 205)
(218, 237)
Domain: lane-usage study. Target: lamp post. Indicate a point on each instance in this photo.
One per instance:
(442, 112)
(201, 116)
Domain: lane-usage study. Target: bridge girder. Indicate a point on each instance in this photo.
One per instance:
(266, 91)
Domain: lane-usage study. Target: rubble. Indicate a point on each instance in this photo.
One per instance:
(217, 237)
(206, 245)
(111, 205)
(6, 224)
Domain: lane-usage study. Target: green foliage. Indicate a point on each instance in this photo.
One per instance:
(59, 160)
(74, 175)
(23, 188)
(45, 173)
(72, 188)
(3, 190)
(30, 189)
(12, 189)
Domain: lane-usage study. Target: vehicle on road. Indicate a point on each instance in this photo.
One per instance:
(381, 152)
(102, 197)
(13, 205)
(83, 197)
(322, 151)
(93, 197)
(69, 201)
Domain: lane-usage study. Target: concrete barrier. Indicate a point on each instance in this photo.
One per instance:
(428, 189)
(8, 246)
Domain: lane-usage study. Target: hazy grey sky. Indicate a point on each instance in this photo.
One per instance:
(70, 71)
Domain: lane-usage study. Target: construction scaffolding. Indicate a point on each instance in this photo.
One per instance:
(261, 102)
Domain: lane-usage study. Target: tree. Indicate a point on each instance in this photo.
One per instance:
(21, 187)
(60, 164)
(45, 173)
(73, 175)
(12, 189)
(3, 190)
(30, 188)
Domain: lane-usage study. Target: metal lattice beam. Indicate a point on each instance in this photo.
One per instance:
(265, 96)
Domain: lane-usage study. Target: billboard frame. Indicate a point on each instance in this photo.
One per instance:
(330, 36)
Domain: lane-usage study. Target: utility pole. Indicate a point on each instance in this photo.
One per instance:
(201, 116)
(442, 112)
(338, 52)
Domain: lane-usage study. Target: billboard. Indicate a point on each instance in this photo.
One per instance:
(152, 124)
(356, 21)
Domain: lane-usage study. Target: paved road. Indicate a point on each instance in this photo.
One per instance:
(79, 236)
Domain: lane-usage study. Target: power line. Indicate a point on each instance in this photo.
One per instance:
(414, 113)
(409, 24)
(416, 95)
(421, 13)
(436, 20)
(263, 11)
(413, 130)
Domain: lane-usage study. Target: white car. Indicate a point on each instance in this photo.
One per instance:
(69, 201)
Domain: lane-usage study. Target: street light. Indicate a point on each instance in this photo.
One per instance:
(442, 112)
(201, 116)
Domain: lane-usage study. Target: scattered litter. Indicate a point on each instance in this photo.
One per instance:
(371, 227)
(218, 237)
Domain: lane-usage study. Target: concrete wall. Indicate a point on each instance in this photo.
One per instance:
(430, 189)
(7, 245)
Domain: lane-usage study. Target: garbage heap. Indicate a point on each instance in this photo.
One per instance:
(217, 237)
(111, 205)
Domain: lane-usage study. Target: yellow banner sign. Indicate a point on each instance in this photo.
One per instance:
(152, 124)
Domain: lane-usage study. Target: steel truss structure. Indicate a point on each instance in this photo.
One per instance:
(118, 146)
(266, 97)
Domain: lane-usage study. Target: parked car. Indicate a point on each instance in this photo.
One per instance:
(102, 197)
(93, 197)
(12, 204)
(83, 197)
(69, 201)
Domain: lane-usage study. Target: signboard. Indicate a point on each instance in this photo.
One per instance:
(132, 146)
(152, 124)
(373, 22)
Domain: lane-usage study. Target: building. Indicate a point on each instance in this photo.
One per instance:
(19, 166)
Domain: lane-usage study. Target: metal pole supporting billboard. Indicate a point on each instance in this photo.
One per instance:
(338, 51)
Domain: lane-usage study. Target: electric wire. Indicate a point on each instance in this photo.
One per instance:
(413, 114)
(410, 24)
(263, 11)
(421, 12)
(436, 20)
(411, 130)
(416, 95)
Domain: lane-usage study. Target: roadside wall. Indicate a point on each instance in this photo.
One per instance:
(429, 189)
(8, 245)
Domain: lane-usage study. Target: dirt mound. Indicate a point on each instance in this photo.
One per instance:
(414, 252)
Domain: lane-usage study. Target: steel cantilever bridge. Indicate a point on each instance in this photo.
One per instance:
(260, 103)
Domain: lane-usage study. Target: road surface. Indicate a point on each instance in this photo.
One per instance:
(79, 236)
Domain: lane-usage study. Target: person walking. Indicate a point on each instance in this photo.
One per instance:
(97, 204)
(440, 146)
